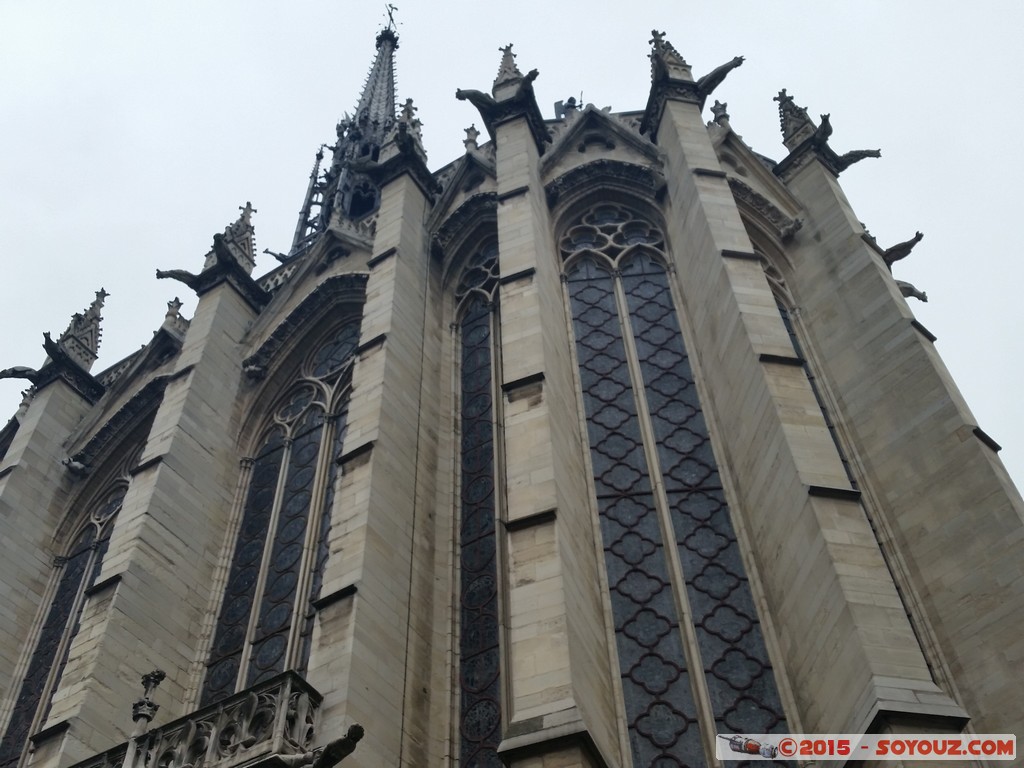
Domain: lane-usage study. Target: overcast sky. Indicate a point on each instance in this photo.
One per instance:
(130, 132)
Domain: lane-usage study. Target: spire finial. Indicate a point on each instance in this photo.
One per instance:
(390, 9)
(472, 134)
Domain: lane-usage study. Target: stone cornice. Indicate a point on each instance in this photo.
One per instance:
(785, 227)
(582, 177)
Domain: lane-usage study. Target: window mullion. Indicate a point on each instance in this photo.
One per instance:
(309, 544)
(261, 581)
(694, 662)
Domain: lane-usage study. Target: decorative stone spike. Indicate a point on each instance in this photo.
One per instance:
(796, 124)
(666, 59)
(720, 110)
(508, 71)
(240, 240)
(81, 340)
(472, 134)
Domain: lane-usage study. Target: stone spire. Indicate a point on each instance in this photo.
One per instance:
(343, 189)
(508, 70)
(240, 241)
(376, 108)
(795, 122)
(81, 340)
(666, 61)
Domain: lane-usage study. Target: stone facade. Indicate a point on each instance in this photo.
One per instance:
(607, 437)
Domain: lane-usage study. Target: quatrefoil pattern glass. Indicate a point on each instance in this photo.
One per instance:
(630, 350)
(479, 653)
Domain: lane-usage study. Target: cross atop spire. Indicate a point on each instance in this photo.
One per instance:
(81, 339)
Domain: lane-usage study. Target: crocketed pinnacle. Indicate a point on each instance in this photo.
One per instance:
(508, 71)
(796, 124)
(81, 339)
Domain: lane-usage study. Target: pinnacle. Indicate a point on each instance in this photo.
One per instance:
(508, 71)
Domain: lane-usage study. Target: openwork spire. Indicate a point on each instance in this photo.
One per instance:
(81, 340)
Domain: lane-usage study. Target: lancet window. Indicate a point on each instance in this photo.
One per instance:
(75, 572)
(666, 529)
(266, 618)
(479, 654)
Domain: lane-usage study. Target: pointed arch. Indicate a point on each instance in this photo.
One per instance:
(663, 516)
(279, 548)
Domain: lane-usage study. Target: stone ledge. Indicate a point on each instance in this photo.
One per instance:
(525, 381)
(381, 257)
(923, 331)
(532, 738)
(520, 275)
(330, 599)
(743, 255)
(7, 470)
(767, 357)
(57, 729)
(355, 453)
(529, 521)
(366, 346)
(141, 467)
(100, 586)
(712, 172)
(502, 197)
(827, 492)
(986, 439)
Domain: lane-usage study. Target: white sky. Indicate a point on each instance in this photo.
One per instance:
(131, 131)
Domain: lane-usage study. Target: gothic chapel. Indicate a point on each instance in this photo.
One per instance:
(607, 437)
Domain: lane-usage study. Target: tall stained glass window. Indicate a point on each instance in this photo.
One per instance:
(479, 655)
(75, 572)
(660, 500)
(266, 619)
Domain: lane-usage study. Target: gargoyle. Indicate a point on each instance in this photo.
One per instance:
(900, 250)
(181, 275)
(824, 130)
(909, 291)
(845, 161)
(20, 372)
(714, 78)
(76, 468)
(484, 101)
(328, 756)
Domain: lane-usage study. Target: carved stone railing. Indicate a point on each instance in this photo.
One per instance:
(273, 718)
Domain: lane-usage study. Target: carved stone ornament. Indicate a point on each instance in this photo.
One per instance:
(513, 97)
(62, 367)
(275, 718)
(671, 80)
(807, 142)
(476, 208)
(224, 268)
(336, 290)
(613, 172)
(785, 227)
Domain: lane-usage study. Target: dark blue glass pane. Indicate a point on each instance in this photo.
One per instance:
(277, 603)
(233, 622)
(479, 656)
(737, 670)
(655, 680)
